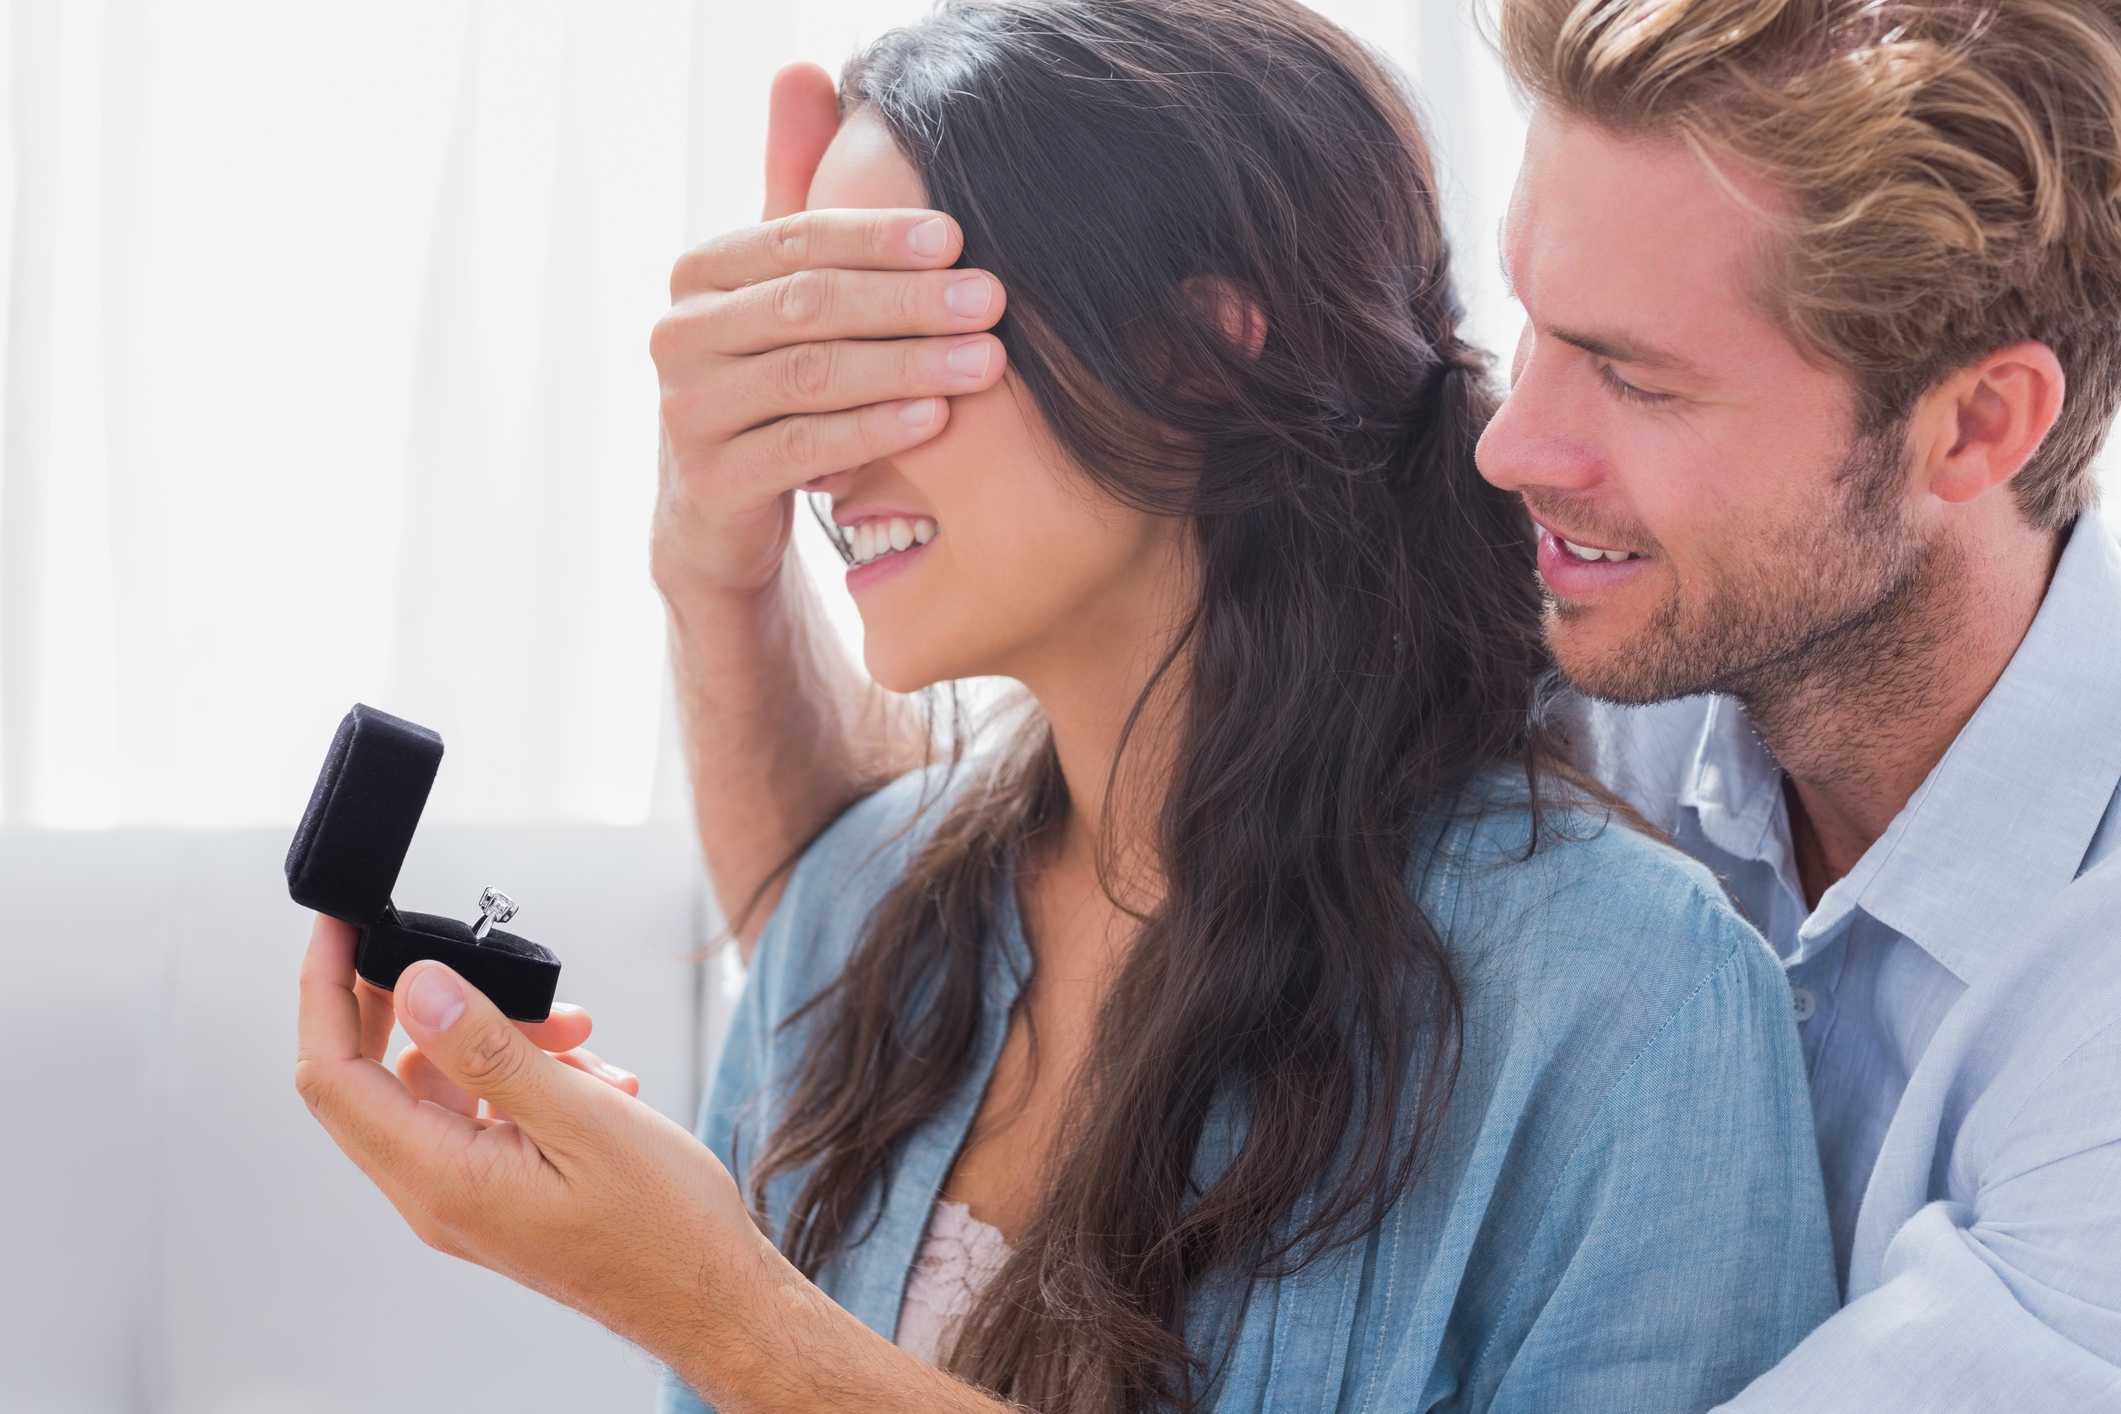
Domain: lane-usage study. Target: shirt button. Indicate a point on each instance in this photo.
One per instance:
(1804, 1003)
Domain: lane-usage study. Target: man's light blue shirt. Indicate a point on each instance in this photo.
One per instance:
(1959, 998)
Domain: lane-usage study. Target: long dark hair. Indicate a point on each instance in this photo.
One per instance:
(1366, 639)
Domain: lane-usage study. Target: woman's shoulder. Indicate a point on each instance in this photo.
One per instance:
(1630, 1103)
(1575, 910)
(887, 825)
(846, 871)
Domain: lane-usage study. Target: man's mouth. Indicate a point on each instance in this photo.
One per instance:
(1592, 553)
(1578, 570)
(1585, 550)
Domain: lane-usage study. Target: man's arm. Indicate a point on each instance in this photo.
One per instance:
(2011, 1300)
(782, 1346)
(1946, 1331)
(781, 729)
(790, 351)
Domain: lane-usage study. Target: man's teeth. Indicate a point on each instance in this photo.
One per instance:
(873, 539)
(1585, 552)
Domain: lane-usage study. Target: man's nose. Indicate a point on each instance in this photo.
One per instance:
(1540, 438)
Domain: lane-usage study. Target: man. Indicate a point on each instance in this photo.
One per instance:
(1822, 332)
(1821, 339)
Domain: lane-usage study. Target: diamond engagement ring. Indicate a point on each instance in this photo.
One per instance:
(494, 907)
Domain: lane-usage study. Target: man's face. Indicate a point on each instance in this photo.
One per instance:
(1656, 410)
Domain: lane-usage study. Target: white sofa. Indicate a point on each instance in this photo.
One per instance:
(180, 1237)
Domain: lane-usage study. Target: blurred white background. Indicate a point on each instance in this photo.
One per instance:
(325, 379)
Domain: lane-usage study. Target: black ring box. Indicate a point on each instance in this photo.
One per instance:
(351, 843)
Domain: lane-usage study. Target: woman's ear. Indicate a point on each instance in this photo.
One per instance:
(1234, 308)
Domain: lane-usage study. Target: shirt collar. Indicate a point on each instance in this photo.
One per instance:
(1732, 785)
(2004, 819)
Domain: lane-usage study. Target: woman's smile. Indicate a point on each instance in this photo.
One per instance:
(878, 544)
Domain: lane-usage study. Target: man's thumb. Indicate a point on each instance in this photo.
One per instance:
(468, 1039)
(801, 117)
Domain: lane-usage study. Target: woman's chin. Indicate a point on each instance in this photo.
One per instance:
(899, 671)
(906, 659)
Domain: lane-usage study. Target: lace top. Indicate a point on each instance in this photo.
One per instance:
(959, 1255)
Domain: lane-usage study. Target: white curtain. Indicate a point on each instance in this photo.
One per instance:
(326, 378)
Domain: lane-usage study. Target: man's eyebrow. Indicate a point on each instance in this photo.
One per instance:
(1614, 348)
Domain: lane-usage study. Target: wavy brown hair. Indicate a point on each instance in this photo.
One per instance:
(1365, 640)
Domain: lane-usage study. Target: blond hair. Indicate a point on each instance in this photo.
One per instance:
(1952, 173)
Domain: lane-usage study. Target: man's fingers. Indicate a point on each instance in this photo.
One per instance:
(854, 373)
(380, 1125)
(857, 238)
(466, 1038)
(328, 1016)
(426, 1082)
(567, 1027)
(849, 337)
(786, 454)
(378, 1122)
(591, 1064)
(802, 115)
(419, 1075)
(377, 1017)
(813, 306)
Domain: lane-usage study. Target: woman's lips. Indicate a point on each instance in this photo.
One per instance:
(862, 576)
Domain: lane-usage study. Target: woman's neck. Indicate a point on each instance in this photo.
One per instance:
(1087, 710)
(1087, 682)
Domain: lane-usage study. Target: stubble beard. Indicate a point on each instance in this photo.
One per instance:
(1849, 599)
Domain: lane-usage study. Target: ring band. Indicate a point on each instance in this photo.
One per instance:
(494, 907)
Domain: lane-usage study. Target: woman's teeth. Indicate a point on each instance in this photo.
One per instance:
(874, 539)
(1589, 554)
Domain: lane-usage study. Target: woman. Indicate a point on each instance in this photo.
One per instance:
(1262, 1020)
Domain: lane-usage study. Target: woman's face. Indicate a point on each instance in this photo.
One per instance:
(1031, 567)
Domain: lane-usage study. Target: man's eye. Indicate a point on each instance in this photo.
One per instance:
(1628, 391)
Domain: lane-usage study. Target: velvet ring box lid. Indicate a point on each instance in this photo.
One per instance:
(351, 844)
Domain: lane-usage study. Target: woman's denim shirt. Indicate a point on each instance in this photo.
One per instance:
(1622, 1210)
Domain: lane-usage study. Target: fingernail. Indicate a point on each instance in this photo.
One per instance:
(612, 1072)
(564, 1008)
(929, 237)
(970, 297)
(970, 359)
(918, 414)
(435, 999)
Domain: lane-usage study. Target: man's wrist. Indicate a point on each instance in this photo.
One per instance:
(687, 594)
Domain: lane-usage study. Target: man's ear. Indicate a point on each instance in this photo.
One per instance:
(1990, 418)
(1235, 310)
